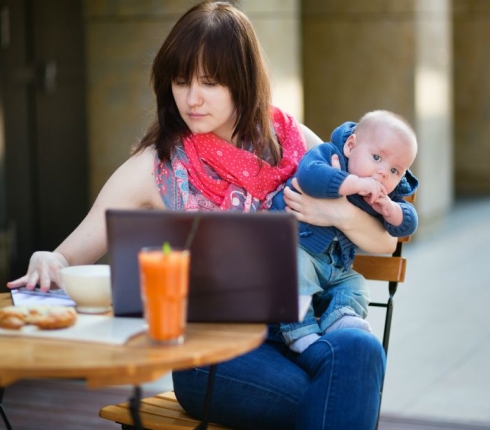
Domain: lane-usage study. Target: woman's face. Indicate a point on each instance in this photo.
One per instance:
(205, 106)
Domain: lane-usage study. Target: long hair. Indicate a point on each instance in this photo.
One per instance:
(218, 39)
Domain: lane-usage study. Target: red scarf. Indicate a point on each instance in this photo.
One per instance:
(239, 167)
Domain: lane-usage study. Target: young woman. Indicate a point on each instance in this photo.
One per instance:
(218, 144)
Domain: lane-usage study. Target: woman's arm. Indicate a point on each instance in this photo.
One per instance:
(311, 138)
(361, 228)
(131, 186)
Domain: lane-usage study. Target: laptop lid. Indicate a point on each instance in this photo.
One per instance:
(243, 266)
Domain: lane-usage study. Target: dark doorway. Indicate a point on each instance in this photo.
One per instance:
(43, 147)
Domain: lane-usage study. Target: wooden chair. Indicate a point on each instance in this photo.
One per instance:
(164, 412)
(388, 268)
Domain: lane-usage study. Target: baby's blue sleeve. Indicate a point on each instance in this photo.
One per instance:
(315, 174)
(409, 224)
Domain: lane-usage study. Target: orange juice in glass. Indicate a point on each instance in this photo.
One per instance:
(164, 276)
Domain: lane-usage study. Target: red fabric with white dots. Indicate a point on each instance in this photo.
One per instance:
(239, 167)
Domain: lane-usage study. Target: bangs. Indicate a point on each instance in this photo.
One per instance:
(217, 41)
(209, 50)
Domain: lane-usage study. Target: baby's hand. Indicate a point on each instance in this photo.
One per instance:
(371, 189)
(384, 206)
(389, 210)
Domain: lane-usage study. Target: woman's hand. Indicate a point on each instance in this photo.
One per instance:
(44, 269)
(321, 212)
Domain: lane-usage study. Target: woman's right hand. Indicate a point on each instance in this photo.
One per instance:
(44, 269)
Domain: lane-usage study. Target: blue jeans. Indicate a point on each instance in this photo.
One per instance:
(333, 384)
(335, 292)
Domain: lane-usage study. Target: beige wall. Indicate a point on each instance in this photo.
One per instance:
(385, 54)
(434, 110)
(472, 96)
(278, 26)
(342, 57)
(122, 37)
(121, 40)
(353, 62)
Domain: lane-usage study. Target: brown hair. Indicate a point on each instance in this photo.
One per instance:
(218, 38)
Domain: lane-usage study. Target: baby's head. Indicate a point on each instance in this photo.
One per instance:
(383, 146)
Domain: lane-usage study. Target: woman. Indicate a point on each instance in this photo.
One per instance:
(218, 144)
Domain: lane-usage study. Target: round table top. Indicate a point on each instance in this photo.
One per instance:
(136, 362)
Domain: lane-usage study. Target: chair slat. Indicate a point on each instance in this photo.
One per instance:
(159, 412)
(381, 268)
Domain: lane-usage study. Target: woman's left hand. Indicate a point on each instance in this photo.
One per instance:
(315, 211)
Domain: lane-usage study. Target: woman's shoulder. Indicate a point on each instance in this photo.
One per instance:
(141, 162)
(144, 157)
(137, 174)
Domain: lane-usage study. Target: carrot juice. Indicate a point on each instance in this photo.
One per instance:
(164, 287)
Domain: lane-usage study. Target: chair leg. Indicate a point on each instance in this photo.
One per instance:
(386, 335)
(134, 406)
(135, 402)
(203, 425)
(387, 328)
(2, 411)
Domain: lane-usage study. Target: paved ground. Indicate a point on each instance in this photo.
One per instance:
(439, 356)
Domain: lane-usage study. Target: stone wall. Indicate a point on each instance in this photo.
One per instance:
(122, 38)
(385, 54)
(330, 61)
(471, 20)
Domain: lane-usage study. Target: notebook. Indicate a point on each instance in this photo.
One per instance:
(243, 266)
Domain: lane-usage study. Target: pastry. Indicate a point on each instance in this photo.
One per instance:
(13, 317)
(44, 317)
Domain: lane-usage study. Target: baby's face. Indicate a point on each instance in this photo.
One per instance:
(380, 154)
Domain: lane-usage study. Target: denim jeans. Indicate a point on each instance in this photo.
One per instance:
(335, 292)
(334, 384)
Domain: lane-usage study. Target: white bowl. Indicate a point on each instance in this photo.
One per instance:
(89, 286)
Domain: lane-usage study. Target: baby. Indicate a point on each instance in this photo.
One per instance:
(374, 156)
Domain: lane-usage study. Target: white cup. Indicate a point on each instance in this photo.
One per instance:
(89, 286)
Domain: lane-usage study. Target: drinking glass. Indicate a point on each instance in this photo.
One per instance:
(164, 276)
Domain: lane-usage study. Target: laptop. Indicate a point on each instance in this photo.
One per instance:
(243, 266)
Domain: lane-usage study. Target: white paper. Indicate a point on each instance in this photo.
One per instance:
(88, 328)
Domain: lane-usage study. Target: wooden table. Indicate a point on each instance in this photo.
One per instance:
(134, 363)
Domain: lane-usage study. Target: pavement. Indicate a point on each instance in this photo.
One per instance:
(439, 355)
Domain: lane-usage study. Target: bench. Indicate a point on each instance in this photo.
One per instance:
(164, 412)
